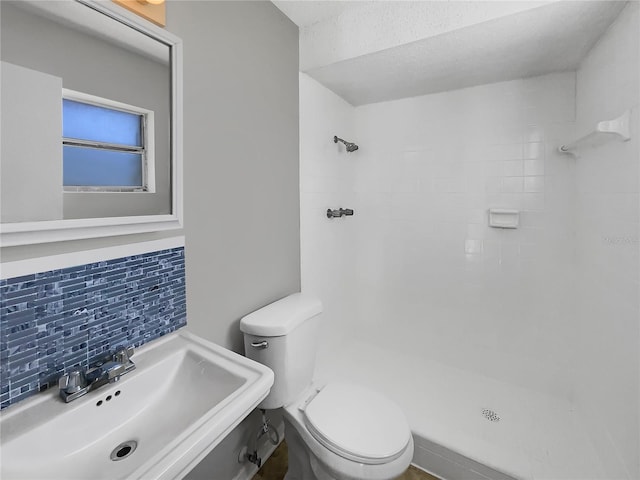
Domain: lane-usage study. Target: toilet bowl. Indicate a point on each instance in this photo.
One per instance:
(346, 432)
(335, 431)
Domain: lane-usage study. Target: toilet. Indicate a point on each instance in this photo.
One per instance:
(334, 431)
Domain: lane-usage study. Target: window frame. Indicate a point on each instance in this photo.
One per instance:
(147, 151)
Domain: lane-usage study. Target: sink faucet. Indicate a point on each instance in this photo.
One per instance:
(79, 382)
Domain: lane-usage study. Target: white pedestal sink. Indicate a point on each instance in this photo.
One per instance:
(157, 422)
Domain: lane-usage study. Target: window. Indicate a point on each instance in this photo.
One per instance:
(107, 146)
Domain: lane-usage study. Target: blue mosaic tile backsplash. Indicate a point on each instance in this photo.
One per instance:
(53, 321)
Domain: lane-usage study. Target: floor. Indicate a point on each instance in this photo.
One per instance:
(276, 467)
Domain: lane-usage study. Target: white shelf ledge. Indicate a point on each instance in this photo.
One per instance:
(618, 128)
(504, 218)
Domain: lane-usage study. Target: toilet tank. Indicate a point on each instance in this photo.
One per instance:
(283, 336)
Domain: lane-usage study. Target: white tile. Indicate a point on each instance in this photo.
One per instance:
(450, 185)
(473, 247)
(494, 168)
(493, 184)
(533, 202)
(533, 150)
(506, 152)
(534, 133)
(512, 184)
(534, 167)
(476, 231)
(534, 184)
(512, 168)
(477, 216)
(533, 220)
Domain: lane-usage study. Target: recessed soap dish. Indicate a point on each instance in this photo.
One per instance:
(503, 218)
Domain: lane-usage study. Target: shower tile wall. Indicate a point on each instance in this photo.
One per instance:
(51, 322)
(424, 271)
(328, 247)
(432, 276)
(608, 232)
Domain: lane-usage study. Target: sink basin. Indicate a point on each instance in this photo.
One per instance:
(157, 422)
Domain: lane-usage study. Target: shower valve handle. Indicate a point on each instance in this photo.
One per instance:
(341, 212)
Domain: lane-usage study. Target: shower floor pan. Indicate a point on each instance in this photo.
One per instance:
(467, 426)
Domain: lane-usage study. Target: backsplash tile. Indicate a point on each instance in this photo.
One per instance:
(53, 321)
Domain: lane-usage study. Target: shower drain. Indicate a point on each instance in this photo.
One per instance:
(490, 415)
(123, 450)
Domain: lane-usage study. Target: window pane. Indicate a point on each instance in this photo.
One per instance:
(101, 168)
(90, 122)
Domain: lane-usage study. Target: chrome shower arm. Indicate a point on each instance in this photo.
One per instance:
(351, 147)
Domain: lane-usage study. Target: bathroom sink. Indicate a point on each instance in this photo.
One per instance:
(157, 422)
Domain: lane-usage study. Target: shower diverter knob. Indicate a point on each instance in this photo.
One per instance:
(341, 212)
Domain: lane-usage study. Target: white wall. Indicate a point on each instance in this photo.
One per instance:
(32, 186)
(607, 216)
(327, 174)
(241, 188)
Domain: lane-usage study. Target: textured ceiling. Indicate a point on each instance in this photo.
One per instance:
(546, 38)
(307, 12)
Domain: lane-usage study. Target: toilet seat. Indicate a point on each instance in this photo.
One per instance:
(357, 423)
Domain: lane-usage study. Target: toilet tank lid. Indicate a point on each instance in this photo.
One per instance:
(281, 317)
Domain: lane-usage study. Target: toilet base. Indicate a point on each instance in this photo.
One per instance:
(299, 462)
(305, 465)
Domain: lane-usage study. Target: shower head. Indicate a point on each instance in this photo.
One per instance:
(351, 147)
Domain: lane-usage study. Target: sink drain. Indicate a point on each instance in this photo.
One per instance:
(123, 450)
(490, 415)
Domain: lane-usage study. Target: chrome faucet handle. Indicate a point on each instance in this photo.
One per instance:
(72, 382)
(123, 355)
(113, 370)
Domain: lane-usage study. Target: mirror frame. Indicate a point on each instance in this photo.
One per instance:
(28, 233)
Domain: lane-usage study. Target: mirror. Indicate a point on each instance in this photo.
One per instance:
(90, 122)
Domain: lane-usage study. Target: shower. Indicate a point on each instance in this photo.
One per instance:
(351, 147)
